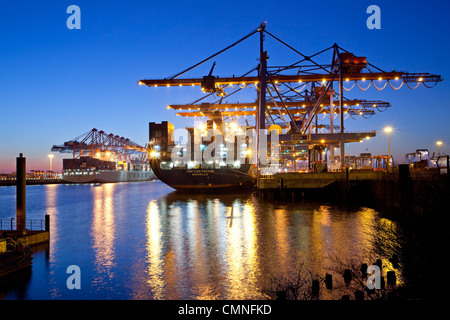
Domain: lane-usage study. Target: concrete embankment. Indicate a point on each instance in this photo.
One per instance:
(404, 190)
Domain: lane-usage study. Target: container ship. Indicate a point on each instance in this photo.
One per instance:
(98, 157)
(92, 170)
(215, 176)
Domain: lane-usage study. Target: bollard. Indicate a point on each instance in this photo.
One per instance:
(359, 295)
(347, 276)
(391, 278)
(21, 213)
(329, 281)
(379, 264)
(315, 287)
(364, 270)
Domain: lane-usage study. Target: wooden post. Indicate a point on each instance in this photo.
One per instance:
(329, 281)
(47, 223)
(21, 193)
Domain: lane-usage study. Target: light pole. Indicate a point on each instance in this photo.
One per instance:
(439, 147)
(388, 131)
(50, 156)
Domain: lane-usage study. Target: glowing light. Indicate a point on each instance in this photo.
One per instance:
(233, 125)
(439, 143)
(380, 78)
(420, 79)
(388, 129)
(154, 154)
(363, 79)
(322, 141)
(202, 127)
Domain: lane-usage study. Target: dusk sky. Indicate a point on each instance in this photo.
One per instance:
(58, 83)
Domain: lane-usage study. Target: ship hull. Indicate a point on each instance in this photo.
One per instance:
(205, 180)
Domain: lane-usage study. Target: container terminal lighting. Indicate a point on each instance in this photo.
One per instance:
(50, 156)
(439, 143)
(388, 130)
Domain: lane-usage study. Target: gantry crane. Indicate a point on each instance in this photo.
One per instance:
(294, 96)
(96, 143)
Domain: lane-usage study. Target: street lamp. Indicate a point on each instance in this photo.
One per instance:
(388, 131)
(439, 147)
(50, 156)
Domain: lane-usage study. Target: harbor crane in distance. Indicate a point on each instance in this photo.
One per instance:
(95, 141)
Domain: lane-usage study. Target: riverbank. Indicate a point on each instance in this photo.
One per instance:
(13, 182)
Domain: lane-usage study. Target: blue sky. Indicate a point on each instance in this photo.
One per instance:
(56, 83)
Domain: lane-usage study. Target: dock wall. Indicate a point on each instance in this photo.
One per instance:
(400, 190)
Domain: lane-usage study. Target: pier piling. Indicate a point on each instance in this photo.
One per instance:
(21, 192)
(391, 278)
(47, 223)
(347, 276)
(329, 281)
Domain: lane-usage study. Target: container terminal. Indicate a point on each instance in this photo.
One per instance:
(307, 103)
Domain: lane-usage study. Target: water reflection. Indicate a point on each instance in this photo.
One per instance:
(103, 231)
(51, 208)
(229, 247)
(155, 257)
(141, 241)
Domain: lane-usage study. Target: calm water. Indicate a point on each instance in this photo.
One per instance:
(145, 241)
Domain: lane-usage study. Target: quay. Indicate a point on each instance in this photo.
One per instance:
(402, 189)
(31, 181)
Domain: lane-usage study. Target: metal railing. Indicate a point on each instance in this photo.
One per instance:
(32, 224)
